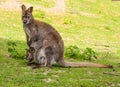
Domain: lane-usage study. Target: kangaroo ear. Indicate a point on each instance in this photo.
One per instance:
(30, 9)
(23, 7)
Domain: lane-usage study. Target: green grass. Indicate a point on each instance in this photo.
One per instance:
(85, 24)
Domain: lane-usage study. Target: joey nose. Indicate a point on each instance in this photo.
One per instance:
(42, 57)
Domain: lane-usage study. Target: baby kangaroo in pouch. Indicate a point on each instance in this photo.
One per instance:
(47, 43)
(40, 54)
(41, 62)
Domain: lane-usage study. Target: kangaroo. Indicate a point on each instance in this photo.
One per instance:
(45, 31)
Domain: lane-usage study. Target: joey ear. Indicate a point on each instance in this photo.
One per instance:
(30, 9)
(32, 49)
(23, 7)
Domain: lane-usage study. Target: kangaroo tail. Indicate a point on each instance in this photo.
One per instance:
(82, 64)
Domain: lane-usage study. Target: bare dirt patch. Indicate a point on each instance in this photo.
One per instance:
(90, 14)
(59, 8)
(11, 4)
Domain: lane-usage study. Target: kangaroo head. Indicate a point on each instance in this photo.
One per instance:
(27, 17)
(29, 54)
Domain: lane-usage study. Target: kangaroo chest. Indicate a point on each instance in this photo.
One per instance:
(27, 31)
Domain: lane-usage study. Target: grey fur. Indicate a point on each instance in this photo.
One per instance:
(41, 36)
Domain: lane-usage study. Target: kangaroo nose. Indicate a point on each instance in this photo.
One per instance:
(24, 21)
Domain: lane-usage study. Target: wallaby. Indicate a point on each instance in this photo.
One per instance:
(45, 31)
(30, 61)
(40, 52)
(30, 55)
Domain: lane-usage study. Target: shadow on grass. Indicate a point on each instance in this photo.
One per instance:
(19, 52)
(11, 47)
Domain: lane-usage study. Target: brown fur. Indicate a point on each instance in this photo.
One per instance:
(38, 30)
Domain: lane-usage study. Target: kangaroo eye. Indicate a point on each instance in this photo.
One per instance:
(23, 16)
(28, 16)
